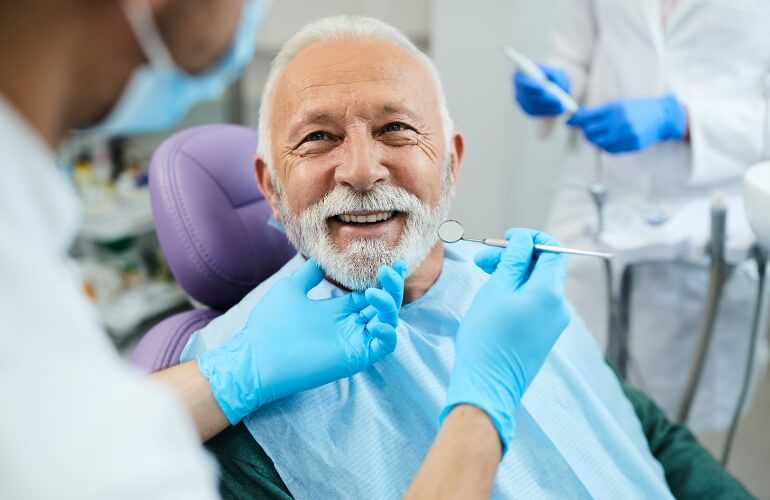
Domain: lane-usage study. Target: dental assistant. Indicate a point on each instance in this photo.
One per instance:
(673, 95)
(76, 423)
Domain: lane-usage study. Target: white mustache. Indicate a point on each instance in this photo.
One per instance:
(383, 198)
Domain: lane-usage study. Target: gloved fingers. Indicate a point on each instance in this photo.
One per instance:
(488, 259)
(308, 276)
(516, 258)
(538, 101)
(383, 341)
(546, 286)
(385, 304)
(602, 139)
(368, 313)
(587, 115)
(359, 300)
(547, 275)
(392, 282)
(525, 82)
(540, 238)
(533, 98)
(557, 76)
(400, 267)
(613, 142)
(595, 127)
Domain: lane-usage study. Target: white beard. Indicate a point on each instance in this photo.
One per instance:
(356, 267)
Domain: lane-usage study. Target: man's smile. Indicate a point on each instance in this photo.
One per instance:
(385, 225)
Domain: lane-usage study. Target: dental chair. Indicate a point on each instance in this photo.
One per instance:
(212, 224)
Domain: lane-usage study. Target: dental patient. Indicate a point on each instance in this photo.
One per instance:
(359, 159)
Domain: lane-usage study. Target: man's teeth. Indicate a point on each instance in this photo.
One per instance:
(362, 219)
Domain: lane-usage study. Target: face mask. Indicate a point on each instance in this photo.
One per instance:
(159, 94)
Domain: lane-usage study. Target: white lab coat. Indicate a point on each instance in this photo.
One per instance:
(75, 422)
(715, 56)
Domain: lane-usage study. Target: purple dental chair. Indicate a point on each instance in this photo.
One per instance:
(211, 221)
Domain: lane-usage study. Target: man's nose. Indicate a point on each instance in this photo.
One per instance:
(360, 168)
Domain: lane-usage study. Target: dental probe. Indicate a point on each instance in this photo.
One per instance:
(532, 70)
(451, 231)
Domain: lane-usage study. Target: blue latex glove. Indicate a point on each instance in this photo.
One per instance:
(632, 124)
(534, 99)
(510, 328)
(291, 343)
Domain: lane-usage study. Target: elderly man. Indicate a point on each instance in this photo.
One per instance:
(358, 158)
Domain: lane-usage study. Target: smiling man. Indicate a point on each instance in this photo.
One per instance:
(358, 158)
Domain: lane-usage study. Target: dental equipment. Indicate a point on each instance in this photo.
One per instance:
(598, 192)
(756, 198)
(451, 231)
(531, 69)
(717, 277)
(760, 307)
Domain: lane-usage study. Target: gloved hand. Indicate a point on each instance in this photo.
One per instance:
(291, 343)
(534, 99)
(632, 124)
(509, 329)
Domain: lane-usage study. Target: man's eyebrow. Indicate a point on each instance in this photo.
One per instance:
(397, 109)
(311, 118)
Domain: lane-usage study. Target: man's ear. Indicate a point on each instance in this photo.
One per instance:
(456, 157)
(265, 184)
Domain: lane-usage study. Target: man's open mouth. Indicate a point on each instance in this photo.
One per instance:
(365, 218)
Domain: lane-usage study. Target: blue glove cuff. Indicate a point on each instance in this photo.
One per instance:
(504, 423)
(499, 401)
(675, 119)
(221, 366)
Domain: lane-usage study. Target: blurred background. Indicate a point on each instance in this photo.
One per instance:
(508, 179)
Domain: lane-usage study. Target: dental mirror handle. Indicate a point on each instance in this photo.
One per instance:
(493, 242)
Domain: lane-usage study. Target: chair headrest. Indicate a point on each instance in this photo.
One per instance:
(210, 217)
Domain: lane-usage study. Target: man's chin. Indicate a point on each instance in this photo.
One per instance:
(356, 267)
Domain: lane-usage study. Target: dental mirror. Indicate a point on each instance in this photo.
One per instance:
(451, 231)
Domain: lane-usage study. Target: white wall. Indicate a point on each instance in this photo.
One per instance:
(508, 173)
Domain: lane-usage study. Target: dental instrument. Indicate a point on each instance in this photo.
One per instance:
(756, 199)
(451, 231)
(718, 273)
(531, 69)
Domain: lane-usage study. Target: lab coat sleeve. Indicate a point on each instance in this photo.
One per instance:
(572, 38)
(76, 421)
(726, 136)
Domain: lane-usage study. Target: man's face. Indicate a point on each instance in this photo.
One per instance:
(363, 174)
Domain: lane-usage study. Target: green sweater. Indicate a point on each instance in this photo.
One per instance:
(247, 472)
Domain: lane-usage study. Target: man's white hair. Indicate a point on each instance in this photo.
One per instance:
(335, 28)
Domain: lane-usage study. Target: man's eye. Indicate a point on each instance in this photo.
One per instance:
(394, 127)
(315, 136)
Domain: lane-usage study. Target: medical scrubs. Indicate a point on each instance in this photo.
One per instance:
(76, 422)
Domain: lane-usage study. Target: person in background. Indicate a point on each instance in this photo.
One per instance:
(672, 93)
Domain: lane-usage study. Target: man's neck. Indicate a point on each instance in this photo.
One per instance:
(426, 275)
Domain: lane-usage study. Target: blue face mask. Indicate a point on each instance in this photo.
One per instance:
(159, 93)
